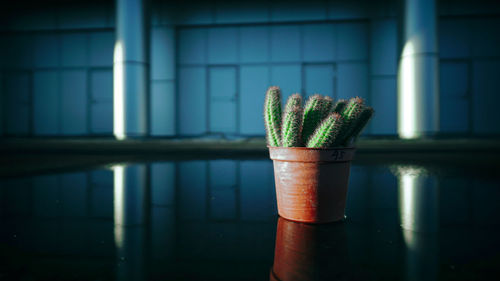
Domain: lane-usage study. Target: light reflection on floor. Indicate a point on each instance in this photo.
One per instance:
(216, 219)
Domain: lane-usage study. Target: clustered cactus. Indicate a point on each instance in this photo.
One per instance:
(320, 123)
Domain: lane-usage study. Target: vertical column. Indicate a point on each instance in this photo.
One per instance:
(131, 69)
(418, 93)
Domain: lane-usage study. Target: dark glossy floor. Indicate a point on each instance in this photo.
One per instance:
(217, 220)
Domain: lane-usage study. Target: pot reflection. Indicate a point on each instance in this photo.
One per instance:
(310, 252)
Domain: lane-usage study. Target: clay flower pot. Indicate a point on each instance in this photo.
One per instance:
(311, 183)
(310, 252)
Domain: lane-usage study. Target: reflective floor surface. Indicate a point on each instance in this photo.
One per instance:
(217, 220)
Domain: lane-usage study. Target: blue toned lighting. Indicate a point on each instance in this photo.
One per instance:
(118, 93)
(407, 102)
(118, 186)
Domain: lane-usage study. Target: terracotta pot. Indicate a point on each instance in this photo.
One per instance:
(310, 252)
(311, 183)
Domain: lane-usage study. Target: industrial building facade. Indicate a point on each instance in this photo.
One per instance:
(210, 62)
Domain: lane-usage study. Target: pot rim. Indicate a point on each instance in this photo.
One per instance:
(311, 154)
(313, 148)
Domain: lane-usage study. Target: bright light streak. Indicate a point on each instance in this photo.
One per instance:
(118, 93)
(407, 101)
(118, 197)
(408, 184)
(418, 203)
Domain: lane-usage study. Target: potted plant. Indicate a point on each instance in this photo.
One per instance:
(312, 147)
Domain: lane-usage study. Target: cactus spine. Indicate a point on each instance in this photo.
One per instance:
(350, 113)
(292, 122)
(321, 123)
(272, 116)
(324, 136)
(294, 101)
(339, 106)
(315, 110)
(327, 103)
(360, 123)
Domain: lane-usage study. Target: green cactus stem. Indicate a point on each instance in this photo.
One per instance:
(292, 122)
(351, 112)
(353, 108)
(272, 116)
(339, 106)
(324, 136)
(359, 124)
(294, 101)
(326, 104)
(315, 111)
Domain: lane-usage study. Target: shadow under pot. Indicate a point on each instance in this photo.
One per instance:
(311, 183)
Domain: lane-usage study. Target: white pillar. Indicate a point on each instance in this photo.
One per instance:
(131, 70)
(418, 92)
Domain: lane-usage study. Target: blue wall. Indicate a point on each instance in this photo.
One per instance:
(212, 62)
(58, 82)
(470, 80)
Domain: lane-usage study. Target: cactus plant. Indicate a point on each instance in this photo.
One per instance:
(360, 123)
(350, 113)
(339, 106)
(272, 116)
(353, 107)
(293, 101)
(324, 136)
(292, 122)
(320, 124)
(315, 110)
(326, 105)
